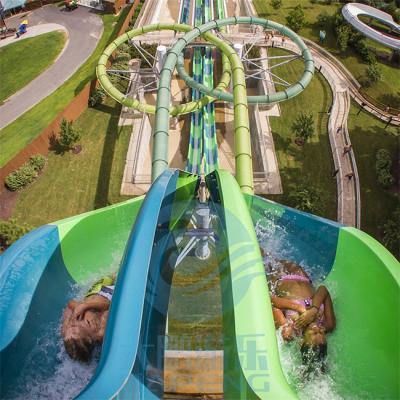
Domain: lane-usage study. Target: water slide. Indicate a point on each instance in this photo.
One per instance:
(352, 12)
(203, 146)
(49, 266)
(210, 146)
(195, 151)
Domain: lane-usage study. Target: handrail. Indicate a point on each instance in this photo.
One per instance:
(357, 88)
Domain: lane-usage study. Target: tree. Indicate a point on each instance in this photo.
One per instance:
(303, 127)
(343, 33)
(307, 198)
(374, 73)
(296, 18)
(323, 19)
(69, 135)
(391, 232)
(383, 166)
(276, 4)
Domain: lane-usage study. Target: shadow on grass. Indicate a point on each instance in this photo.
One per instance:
(112, 134)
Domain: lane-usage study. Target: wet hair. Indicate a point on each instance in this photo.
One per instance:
(79, 349)
(314, 358)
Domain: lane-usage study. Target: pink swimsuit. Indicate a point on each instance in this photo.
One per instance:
(304, 302)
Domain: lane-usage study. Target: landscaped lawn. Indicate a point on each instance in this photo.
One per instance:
(311, 163)
(75, 183)
(387, 91)
(23, 61)
(368, 135)
(14, 137)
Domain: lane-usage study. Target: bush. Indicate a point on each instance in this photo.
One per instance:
(343, 33)
(11, 231)
(26, 173)
(296, 18)
(391, 232)
(323, 19)
(37, 162)
(122, 56)
(97, 97)
(383, 165)
(119, 79)
(276, 4)
(303, 127)
(374, 73)
(307, 198)
(21, 177)
(69, 136)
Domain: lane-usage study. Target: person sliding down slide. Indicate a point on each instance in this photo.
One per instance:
(299, 309)
(84, 322)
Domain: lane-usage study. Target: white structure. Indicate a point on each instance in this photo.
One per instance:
(351, 11)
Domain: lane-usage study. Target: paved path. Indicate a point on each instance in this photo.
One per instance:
(84, 31)
(36, 31)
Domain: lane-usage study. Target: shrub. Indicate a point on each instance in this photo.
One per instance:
(383, 165)
(343, 33)
(374, 73)
(124, 48)
(303, 127)
(37, 162)
(97, 97)
(296, 18)
(385, 178)
(119, 79)
(69, 136)
(11, 231)
(391, 232)
(122, 56)
(323, 19)
(276, 4)
(307, 198)
(21, 177)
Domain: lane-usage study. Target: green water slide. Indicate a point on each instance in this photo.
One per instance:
(195, 150)
(252, 368)
(210, 146)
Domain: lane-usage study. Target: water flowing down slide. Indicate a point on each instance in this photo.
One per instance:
(44, 270)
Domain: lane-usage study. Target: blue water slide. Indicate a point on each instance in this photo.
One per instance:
(131, 363)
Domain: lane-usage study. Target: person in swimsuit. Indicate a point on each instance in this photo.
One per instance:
(84, 322)
(299, 309)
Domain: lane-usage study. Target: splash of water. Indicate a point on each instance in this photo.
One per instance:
(312, 386)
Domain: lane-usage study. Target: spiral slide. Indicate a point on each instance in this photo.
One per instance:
(50, 265)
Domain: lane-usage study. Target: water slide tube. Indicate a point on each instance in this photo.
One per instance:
(351, 13)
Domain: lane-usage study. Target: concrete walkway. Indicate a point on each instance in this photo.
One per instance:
(84, 29)
(36, 31)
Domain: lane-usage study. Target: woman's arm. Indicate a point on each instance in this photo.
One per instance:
(329, 314)
(287, 304)
(103, 325)
(320, 296)
(100, 306)
(68, 311)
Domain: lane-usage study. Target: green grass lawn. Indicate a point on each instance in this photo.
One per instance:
(368, 135)
(74, 183)
(387, 91)
(23, 61)
(14, 137)
(311, 163)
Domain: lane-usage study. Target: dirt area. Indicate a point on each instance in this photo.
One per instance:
(8, 200)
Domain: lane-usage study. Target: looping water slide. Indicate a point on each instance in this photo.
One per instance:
(48, 266)
(352, 12)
